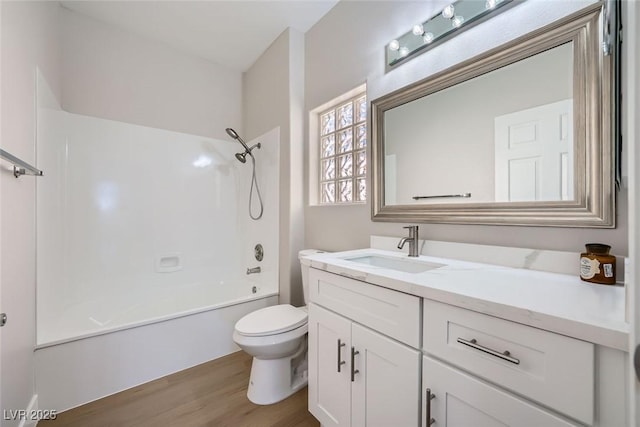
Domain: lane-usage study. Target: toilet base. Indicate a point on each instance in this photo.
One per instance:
(273, 380)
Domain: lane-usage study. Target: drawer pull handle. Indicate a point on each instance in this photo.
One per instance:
(505, 355)
(430, 396)
(354, 371)
(340, 362)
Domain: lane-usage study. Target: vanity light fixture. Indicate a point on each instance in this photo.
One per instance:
(448, 11)
(451, 20)
(457, 21)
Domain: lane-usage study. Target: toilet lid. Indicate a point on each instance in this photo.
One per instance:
(271, 320)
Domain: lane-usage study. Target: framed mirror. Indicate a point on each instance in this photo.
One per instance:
(520, 135)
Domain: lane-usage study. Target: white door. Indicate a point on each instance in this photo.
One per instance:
(1, 200)
(329, 367)
(632, 142)
(386, 388)
(534, 154)
(462, 401)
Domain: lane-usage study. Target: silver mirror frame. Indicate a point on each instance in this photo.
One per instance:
(594, 108)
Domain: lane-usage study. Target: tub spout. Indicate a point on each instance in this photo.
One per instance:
(253, 270)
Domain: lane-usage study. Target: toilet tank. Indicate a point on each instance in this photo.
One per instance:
(305, 271)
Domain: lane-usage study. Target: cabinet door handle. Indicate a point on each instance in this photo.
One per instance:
(428, 409)
(354, 371)
(505, 355)
(340, 362)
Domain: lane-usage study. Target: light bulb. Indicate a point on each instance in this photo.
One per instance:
(428, 37)
(418, 29)
(404, 51)
(448, 12)
(394, 45)
(490, 4)
(457, 21)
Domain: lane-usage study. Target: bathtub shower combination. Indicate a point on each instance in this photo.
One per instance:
(137, 225)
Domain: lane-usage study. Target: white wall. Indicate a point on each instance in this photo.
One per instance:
(631, 128)
(118, 75)
(30, 39)
(346, 49)
(273, 93)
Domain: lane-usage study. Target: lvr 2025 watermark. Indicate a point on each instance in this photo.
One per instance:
(29, 415)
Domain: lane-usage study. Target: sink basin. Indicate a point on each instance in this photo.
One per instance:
(404, 265)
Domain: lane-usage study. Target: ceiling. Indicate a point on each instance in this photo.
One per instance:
(230, 33)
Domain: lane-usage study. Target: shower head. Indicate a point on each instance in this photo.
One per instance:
(242, 157)
(233, 134)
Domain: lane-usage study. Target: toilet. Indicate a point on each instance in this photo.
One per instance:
(276, 337)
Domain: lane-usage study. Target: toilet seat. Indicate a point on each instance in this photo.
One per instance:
(272, 320)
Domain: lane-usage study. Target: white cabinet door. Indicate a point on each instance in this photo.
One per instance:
(461, 401)
(386, 388)
(329, 367)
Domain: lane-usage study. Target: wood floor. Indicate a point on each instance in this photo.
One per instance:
(211, 394)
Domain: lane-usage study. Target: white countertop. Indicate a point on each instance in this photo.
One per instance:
(559, 303)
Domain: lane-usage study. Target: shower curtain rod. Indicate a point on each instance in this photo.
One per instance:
(20, 167)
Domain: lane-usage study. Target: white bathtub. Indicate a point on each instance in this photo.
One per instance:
(139, 341)
(110, 313)
(131, 258)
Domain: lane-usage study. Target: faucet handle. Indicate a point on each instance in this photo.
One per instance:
(413, 230)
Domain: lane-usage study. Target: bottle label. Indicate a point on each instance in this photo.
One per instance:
(589, 267)
(608, 270)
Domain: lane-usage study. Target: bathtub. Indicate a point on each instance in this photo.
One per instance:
(109, 313)
(143, 241)
(100, 347)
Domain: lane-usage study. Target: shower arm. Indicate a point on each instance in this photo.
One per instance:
(246, 147)
(233, 134)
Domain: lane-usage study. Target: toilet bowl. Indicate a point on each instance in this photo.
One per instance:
(276, 337)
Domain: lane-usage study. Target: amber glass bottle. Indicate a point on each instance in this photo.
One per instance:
(597, 266)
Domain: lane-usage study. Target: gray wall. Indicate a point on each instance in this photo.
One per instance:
(346, 49)
(29, 39)
(273, 97)
(114, 74)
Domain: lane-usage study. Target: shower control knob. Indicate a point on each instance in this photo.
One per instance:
(3, 319)
(258, 252)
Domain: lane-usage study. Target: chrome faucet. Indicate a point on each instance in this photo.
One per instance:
(253, 270)
(412, 239)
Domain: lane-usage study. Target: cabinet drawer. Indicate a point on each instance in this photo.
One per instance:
(461, 400)
(390, 312)
(554, 370)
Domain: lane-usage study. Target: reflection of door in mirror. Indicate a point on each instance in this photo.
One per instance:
(444, 143)
(534, 154)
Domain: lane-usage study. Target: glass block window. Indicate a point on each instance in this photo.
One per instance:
(343, 152)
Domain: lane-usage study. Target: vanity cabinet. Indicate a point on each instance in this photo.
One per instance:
(357, 376)
(461, 400)
(376, 354)
(549, 369)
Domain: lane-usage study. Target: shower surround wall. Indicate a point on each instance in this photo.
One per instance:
(144, 223)
(138, 225)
